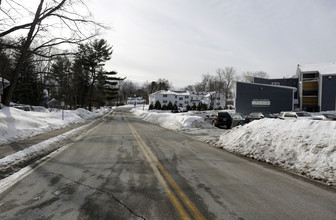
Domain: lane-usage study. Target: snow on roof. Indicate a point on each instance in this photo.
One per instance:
(163, 92)
(5, 81)
(322, 68)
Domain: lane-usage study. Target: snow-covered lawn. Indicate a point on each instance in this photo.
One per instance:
(16, 125)
(307, 147)
(173, 121)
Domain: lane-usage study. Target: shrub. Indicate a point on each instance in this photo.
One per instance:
(157, 105)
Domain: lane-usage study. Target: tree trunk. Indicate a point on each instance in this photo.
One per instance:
(23, 51)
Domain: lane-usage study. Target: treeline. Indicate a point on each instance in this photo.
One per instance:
(128, 88)
(222, 81)
(39, 69)
(174, 107)
(79, 80)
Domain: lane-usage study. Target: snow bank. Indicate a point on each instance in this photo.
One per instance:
(307, 147)
(172, 121)
(37, 149)
(16, 125)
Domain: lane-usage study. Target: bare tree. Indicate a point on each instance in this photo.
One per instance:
(226, 78)
(248, 74)
(208, 83)
(127, 89)
(51, 24)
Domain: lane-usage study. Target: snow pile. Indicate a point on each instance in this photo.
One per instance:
(16, 125)
(172, 121)
(307, 147)
(85, 114)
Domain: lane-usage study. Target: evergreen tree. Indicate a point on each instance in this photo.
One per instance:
(188, 107)
(29, 90)
(204, 107)
(59, 80)
(157, 105)
(194, 107)
(80, 83)
(106, 90)
(175, 108)
(170, 106)
(93, 55)
(199, 107)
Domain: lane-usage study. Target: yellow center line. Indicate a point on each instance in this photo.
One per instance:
(155, 164)
(182, 213)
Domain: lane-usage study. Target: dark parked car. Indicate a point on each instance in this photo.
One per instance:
(228, 119)
(260, 115)
(247, 118)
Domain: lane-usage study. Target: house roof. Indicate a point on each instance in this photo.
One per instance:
(322, 68)
(7, 83)
(269, 85)
(163, 92)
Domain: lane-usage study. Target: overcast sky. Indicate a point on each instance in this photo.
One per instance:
(180, 40)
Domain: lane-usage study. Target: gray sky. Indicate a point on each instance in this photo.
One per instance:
(180, 40)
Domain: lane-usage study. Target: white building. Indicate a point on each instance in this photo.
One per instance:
(185, 98)
(2, 87)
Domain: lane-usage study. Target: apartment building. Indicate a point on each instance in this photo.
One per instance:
(317, 86)
(185, 98)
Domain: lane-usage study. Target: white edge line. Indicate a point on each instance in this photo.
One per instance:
(16, 177)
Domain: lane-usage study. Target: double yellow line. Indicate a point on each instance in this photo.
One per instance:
(160, 172)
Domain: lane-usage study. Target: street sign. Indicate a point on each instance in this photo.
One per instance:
(261, 103)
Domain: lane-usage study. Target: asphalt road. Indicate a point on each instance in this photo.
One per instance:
(129, 169)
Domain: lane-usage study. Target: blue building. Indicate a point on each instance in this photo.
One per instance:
(264, 97)
(313, 89)
(317, 87)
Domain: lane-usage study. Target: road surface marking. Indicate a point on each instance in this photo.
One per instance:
(155, 163)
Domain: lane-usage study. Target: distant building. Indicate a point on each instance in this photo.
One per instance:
(313, 87)
(264, 97)
(185, 98)
(317, 86)
(135, 100)
(2, 87)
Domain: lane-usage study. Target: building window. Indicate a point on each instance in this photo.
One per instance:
(176, 97)
(218, 104)
(164, 101)
(218, 98)
(181, 98)
(186, 102)
(276, 83)
(164, 95)
(186, 97)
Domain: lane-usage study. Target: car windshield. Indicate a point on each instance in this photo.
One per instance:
(303, 114)
(237, 116)
(269, 115)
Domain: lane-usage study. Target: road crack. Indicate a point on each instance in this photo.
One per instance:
(99, 190)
